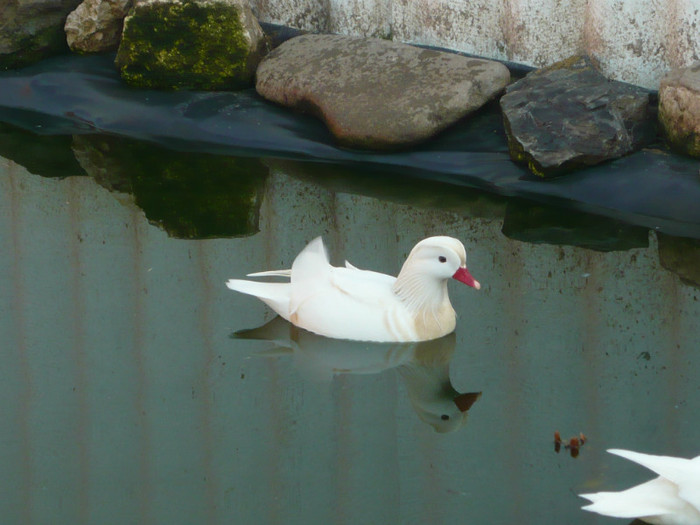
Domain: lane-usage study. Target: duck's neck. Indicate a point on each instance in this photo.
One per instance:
(422, 295)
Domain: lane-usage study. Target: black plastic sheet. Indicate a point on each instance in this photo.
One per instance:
(71, 95)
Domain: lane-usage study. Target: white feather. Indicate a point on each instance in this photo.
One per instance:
(671, 499)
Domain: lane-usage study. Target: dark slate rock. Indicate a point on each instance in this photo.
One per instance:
(277, 34)
(569, 115)
(377, 94)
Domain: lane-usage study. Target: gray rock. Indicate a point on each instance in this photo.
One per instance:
(374, 93)
(96, 25)
(569, 115)
(679, 109)
(190, 44)
(32, 29)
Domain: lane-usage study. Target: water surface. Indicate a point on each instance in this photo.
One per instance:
(127, 400)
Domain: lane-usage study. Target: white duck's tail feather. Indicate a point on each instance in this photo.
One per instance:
(653, 498)
(684, 473)
(275, 295)
(272, 273)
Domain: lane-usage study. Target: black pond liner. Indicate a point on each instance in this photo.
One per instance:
(69, 95)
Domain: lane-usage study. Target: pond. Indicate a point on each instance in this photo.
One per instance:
(133, 397)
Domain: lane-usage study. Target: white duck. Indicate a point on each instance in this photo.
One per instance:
(671, 499)
(349, 303)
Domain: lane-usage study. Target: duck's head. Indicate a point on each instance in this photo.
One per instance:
(440, 257)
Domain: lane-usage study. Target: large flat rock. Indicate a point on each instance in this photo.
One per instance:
(377, 94)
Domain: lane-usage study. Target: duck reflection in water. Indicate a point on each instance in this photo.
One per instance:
(423, 367)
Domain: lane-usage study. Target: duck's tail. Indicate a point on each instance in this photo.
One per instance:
(275, 295)
(272, 273)
(675, 491)
(683, 473)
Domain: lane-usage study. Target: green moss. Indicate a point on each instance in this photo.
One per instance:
(184, 45)
(534, 169)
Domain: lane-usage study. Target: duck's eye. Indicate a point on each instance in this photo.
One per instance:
(442, 259)
(445, 417)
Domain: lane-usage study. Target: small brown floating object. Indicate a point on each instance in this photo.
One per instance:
(573, 445)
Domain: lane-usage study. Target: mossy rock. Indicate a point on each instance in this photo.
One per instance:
(190, 44)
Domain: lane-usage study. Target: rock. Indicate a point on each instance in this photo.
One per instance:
(96, 25)
(679, 109)
(191, 44)
(569, 115)
(189, 196)
(277, 34)
(374, 93)
(32, 30)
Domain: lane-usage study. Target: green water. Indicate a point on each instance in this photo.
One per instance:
(127, 400)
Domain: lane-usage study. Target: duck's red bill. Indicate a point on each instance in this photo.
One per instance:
(465, 401)
(463, 276)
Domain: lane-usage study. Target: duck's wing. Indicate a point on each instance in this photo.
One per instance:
(364, 285)
(345, 303)
(310, 275)
(652, 499)
(684, 473)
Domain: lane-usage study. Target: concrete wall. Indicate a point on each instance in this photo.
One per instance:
(636, 41)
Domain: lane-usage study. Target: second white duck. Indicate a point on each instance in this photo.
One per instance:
(673, 498)
(349, 303)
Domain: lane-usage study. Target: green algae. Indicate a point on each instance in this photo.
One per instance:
(185, 45)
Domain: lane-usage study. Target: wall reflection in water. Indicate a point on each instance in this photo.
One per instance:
(127, 402)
